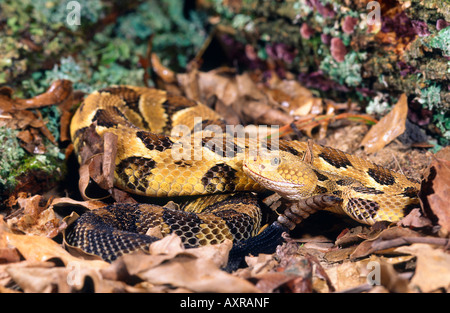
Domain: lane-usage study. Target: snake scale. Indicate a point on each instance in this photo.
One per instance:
(151, 161)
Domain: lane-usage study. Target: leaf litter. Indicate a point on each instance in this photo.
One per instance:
(411, 256)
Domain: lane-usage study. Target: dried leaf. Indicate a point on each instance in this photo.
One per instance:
(102, 165)
(226, 112)
(83, 182)
(432, 267)
(268, 282)
(58, 92)
(261, 113)
(415, 219)
(386, 275)
(371, 245)
(189, 83)
(388, 128)
(34, 219)
(444, 153)
(204, 85)
(435, 193)
(14, 114)
(198, 275)
(9, 255)
(239, 92)
(292, 96)
(36, 279)
(32, 141)
(171, 264)
(5, 277)
(170, 246)
(167, 75)
(6, 103)
(71, 278)
(41, 249)
(90, 204)
(108, 161)
(21, 119)
(260, 264)
(346, 275)
(97, 162)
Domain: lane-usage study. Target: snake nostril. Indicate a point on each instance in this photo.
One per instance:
(262, 167)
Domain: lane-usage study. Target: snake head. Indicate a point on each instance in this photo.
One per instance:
(283, 173)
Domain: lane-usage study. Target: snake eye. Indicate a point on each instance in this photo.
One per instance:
(275, 161)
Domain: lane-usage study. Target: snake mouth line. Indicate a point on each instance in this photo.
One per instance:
(259, 177)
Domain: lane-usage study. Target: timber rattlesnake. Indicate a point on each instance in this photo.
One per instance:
(153, 163)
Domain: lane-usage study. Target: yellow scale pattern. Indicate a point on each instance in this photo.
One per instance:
(152, 162)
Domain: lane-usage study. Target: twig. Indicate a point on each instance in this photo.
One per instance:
(204, 46)
(409, 240)
(147, 63)
(398, 164)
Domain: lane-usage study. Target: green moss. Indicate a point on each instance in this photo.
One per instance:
(10, 157)
(36, 32)
(71, 70)
(116, 74)
(173, 31)
(15, 161)
(92, 54)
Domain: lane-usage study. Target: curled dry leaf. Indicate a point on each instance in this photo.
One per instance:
(58, 92)
(167, 75)
(435, 193)
(388, 128)
(97, 161)
(258, 265)
(268, 282)
(101, 167)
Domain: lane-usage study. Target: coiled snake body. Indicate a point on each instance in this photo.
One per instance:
(151, 161)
